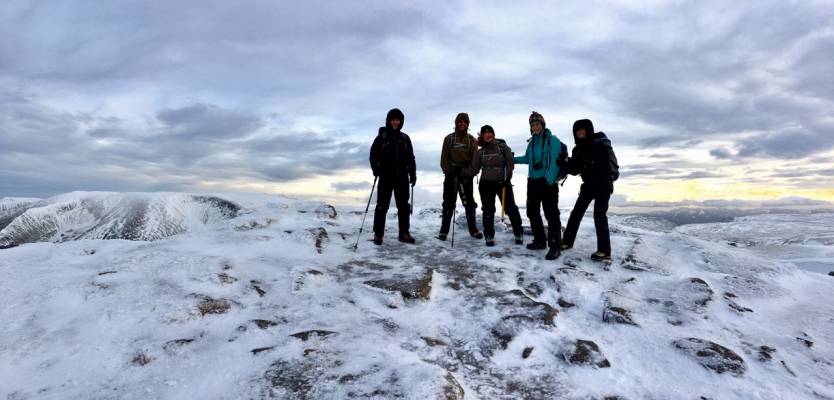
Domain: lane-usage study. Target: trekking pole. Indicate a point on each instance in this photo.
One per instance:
(411, 206)
(356, 245)
(503, 198)
(455, 212)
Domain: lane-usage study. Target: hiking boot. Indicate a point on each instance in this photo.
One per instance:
(536, 245)
(600, 256)
(519, 239)
(553, 253)
(407, 238)
(442, 236)
(490, 242)
(378, 240)
(477, 235)
(564, 247)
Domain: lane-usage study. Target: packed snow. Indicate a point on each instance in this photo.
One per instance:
(231, 296)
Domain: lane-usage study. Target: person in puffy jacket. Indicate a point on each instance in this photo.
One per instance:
(392, 160)
(459, 149)
(495, 162)
(541, 156)
(594, 160)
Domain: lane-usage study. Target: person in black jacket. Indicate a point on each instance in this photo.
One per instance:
(594, 159)
(392, 160)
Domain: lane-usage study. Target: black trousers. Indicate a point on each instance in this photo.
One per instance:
(451, 188)
(541, 195)
(599, 193)
(399, 187)
(489, 190)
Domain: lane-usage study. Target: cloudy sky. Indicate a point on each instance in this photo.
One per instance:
(704, 101)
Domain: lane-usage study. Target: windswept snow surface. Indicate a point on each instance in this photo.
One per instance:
(271, 302)
(806, 240)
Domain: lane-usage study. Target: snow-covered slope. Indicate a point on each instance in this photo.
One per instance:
(806, 240)
(270, 302)
(96, 215)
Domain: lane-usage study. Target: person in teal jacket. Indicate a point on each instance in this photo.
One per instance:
(543, 149)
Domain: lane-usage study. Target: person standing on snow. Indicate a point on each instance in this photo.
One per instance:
(459, 149)
(541, 156)
(392, 160)
(593, 158)
(495, 162)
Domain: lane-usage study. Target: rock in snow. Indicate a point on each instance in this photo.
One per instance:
(170, 296)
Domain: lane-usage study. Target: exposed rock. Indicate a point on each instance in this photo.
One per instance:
(418, 288)
(264, 323)
(617, 315)
(432, 342)
(262, 349)
(107, 272)
(831, 273)
(520, 312)
(226, 279)
(214, 306)
(452, 390)
(586, 352)
(320, 236)
(172, 346)
(141, 359)
(565, 304)
(538, 387)
(712, 356)
(702, 293)
(526, 353)
(304, 336)
(806, 340)
(326, 211)
(258, 289)
(766, 353)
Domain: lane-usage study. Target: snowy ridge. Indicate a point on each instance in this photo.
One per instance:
(96, 215)
(273, 304)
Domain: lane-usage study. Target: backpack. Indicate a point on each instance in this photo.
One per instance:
(613, 166)
(563, 155)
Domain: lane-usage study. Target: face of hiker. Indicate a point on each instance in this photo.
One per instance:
(580, 134)
(536, 128)
(395, 123)
(462, 125)
(488, 136)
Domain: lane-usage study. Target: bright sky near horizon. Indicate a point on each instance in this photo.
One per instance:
(708, 100)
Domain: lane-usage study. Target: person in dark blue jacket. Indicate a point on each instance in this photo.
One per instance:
(541, 157)
(392, 160)
(593, 158)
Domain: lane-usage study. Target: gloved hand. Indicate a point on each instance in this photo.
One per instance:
(413, 180)
(562, 162)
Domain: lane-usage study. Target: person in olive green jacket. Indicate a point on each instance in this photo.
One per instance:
(459, 149)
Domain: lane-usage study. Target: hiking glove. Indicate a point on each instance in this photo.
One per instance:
(413, 180)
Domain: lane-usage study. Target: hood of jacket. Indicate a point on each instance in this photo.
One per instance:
(583, 124)
(395, 113)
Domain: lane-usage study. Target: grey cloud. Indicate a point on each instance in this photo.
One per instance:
(721, 153)
(789, 144)
(347, 186)
(204, 120)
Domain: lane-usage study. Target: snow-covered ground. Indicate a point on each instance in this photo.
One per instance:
(255, 296)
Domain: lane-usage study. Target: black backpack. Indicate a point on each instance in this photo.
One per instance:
(613, 166)
(563, 155)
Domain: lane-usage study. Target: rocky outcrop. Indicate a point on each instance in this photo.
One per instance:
(586, 352)
(712, 356)
(411, 288)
